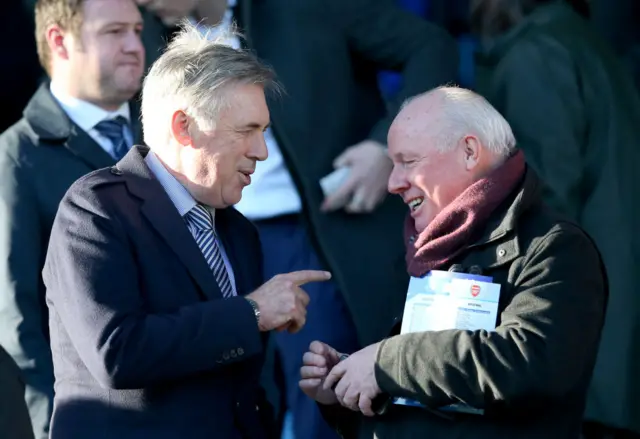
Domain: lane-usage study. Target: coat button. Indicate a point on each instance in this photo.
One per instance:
(240, 351)
(225, 356)
(233, 353)
(502, 252)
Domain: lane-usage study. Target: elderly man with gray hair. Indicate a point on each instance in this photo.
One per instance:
(474, 207)
(158, 310)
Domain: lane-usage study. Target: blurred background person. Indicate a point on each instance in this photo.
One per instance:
(576, 112)
(79, 121)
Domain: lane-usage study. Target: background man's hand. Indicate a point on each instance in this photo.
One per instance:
(316, 364)
(282, 303)
(355, 381)
(366, 186)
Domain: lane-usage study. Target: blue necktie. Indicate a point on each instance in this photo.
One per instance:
(201, 226)
(113, 129)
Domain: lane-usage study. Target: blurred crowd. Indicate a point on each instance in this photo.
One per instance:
(565, 75)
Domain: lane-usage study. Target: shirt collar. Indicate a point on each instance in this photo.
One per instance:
(85, 114)
(178, 194)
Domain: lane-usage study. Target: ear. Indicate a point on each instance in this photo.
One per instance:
(58, 42)
(180, 128)
(471, 149)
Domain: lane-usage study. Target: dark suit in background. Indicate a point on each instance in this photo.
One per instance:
(139, 328)
(40, 157)
(14, 415)
(20, 71)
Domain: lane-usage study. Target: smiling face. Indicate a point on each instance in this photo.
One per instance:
(215, 165)
(427, 179)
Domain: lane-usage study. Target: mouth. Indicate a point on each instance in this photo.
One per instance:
(131, 64)
(246, 175)
(415, 203)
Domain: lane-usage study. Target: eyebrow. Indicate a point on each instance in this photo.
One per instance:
(255, 126)
(122, 23)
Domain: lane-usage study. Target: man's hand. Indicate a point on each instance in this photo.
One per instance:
(316, 364)
(366, 186)
(356, 381)
(282, 303)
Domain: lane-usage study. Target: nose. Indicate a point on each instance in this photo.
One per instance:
(397, 181)
(258, 149)
(133, 43)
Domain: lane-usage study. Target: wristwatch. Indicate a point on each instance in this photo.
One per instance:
(256, 309)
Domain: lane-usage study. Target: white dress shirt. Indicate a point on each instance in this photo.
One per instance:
(184, 202)
(87, 115)
(272, 191)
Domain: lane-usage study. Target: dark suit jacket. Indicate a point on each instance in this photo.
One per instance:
(142, 341)
(327, 54)
(14, 416)
(40, 157)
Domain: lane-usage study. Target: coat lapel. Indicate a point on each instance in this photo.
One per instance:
(51, 124)
(159, 210)
(86, 149)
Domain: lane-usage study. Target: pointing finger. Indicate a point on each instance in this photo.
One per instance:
(305, 276)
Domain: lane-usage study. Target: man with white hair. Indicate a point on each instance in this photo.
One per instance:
(157, 311)
(474, 207)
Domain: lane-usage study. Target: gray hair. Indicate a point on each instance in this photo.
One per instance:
(193, 74)
(465, 112)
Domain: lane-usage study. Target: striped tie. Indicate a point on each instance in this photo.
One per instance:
(113, 129)
(201, 227)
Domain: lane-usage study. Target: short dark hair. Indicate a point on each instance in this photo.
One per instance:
(68, 14)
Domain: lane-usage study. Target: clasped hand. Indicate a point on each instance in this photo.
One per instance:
(350, 382)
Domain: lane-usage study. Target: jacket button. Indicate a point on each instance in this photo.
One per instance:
(502, 252)
(240, 351)
(115, 171)
(225, 356)
(234, 354)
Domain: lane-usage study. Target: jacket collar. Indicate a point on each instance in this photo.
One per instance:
(160, 211)
(50, 124)
(501, 228)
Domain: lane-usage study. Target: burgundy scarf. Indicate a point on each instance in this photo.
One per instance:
(450, 231)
